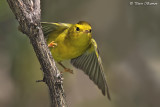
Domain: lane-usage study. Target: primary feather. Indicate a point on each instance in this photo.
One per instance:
(90, 62)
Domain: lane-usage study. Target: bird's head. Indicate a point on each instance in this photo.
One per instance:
(81, 29)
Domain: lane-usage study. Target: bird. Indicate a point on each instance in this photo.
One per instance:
(74, 42)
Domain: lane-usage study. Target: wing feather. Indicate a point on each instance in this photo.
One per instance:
(92, 71)
(90, 62)
(49, 27)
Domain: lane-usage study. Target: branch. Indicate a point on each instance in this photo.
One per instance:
(28, 14)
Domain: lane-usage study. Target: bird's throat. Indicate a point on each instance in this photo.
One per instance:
(81, 41)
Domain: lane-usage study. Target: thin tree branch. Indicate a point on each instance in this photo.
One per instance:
(28, 14)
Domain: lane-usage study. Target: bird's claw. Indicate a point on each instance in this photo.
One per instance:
(52, 44)
(68, 70)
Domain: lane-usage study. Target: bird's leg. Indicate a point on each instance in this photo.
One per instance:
(52, 44)
(65, 69)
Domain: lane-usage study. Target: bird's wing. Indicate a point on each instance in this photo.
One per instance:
(49, 27)
(90, 62)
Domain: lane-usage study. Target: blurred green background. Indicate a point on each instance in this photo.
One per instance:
(129, 41)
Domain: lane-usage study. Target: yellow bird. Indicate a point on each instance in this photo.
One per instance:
(74, 42)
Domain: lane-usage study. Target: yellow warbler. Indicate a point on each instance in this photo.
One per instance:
(74, 42)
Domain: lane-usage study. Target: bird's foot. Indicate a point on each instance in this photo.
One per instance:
(68, 70)
(52, 44)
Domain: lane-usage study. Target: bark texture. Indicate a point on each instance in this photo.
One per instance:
(28, 14)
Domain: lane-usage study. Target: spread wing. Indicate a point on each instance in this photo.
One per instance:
(58, 28)
(90, 62)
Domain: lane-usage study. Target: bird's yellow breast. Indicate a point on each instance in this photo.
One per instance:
(68, 49)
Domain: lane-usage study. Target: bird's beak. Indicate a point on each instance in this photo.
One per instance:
(86, 31)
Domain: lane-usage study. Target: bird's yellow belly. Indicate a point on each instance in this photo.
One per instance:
(62, 52)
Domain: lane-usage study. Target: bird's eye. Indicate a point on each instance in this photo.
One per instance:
(90, 30)
(77, 29)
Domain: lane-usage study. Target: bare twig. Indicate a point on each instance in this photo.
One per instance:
(27, 13)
